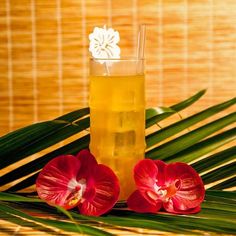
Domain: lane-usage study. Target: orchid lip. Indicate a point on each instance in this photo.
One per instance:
(159, 193)
(77, 189)
(164, 193)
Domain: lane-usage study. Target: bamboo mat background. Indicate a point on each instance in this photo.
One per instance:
(191, 45)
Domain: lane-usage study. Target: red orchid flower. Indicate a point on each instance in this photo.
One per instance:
(176, 187)
(70, 181)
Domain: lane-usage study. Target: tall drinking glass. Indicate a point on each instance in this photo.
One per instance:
(117, 116)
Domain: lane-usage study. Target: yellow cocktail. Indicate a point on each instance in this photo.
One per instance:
(117, 113)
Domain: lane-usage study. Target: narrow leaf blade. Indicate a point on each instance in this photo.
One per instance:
(215, 160)
(35, 165)
(175, 128)
(152, 119)
(219, 173)
(174, 146)
(203, 147)
(229, 183)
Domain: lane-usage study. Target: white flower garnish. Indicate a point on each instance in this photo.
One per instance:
(103, 43)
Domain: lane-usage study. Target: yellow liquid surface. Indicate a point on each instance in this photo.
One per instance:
(117, 113)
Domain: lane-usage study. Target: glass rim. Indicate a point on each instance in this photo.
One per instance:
(117, 59)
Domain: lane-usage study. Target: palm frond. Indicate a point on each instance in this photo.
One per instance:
(181, 125)
(34, 138)
(226, 184)
(174, 146)
(194, 147)
(215, 160)
(62, 225)
(217, 215)
(203, 147)
(220, 173)
(37, 164)
(154, 115)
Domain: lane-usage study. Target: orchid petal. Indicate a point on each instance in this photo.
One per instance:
(53, 181)
(102, 192)
(161, 165)
(190, 191)
(170, 207)
(145, 173)
(87, 162)
(138, 203)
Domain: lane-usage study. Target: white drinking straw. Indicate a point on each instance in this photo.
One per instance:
(141, 42)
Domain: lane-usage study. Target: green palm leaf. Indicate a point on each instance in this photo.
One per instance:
(210, 219)
(154, 115)
(194, 147)
(35, 165)
(215, 160)
(62, 225)
(174, 146)
(229, 183)
(221, 196)
(22, 143)
(204, 147)
(175, 128)
(224, 171)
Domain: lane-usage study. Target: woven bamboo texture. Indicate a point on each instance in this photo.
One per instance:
(191, 45)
